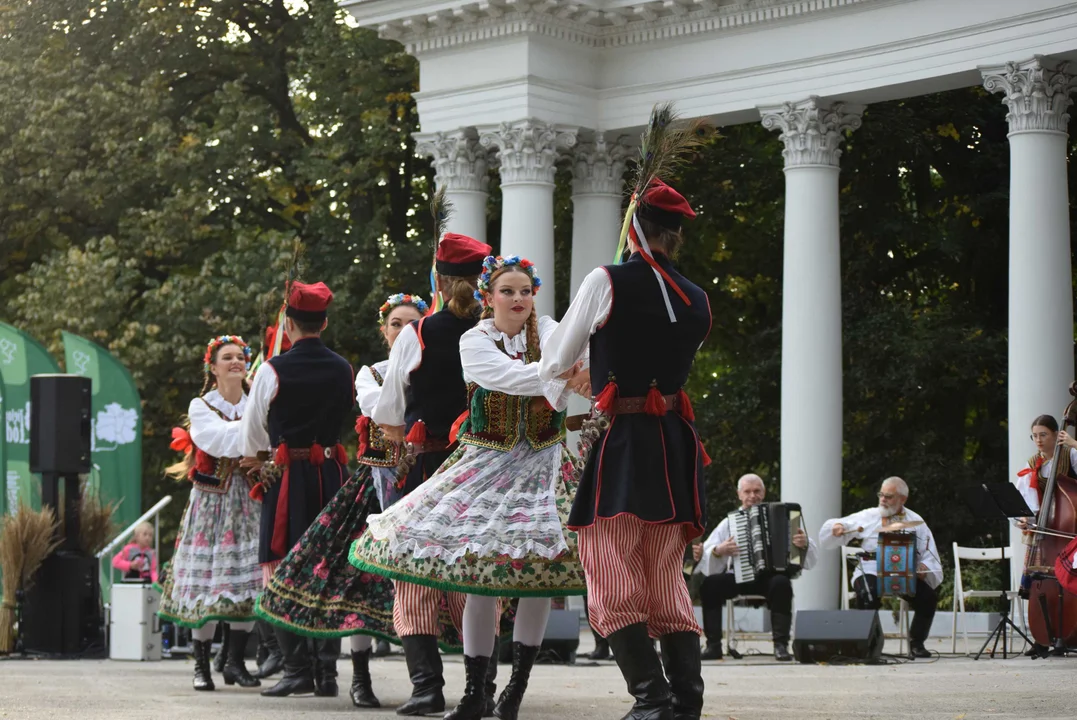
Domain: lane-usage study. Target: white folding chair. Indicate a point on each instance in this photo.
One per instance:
(847, 593)
(961, 594)
(732, 636)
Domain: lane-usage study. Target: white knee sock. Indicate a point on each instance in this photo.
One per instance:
(531, 617)
(247, 627)
(479, 615)
(205, 632)
(361, 643)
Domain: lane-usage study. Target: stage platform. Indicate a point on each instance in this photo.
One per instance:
(755, 688)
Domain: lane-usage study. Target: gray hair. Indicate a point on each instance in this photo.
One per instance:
(750, 477)
(900, 486)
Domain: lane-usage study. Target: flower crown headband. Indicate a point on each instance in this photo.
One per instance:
(218, 342)
(395, 301)
(492, 264)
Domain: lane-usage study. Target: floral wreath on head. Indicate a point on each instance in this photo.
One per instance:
(218, 342)
(492, 264)
(398, 299)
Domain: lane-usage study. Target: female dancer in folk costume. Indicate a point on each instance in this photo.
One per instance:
(315, 591)
(422, 395)
(490, 523)
(214, 574)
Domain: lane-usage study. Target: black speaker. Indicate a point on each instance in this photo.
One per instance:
(61, 613)
(822, 635)
(60, 424)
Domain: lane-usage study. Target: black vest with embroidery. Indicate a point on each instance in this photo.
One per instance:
(315, 396)
(437, 394)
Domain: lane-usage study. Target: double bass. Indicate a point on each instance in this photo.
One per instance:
(1052, 612)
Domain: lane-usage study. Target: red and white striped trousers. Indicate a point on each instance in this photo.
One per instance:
(415, 609)
(635, 575)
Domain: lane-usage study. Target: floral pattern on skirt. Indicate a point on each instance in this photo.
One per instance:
(316, 592)
(488, 523)
(214, 572)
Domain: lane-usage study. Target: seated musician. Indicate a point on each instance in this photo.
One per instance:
(716, 562)
(866, 526)
(1032, 480)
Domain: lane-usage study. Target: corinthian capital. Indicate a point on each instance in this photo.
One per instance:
(528, 149)
(1037, 93)
(598, 166)
(812, 132)
(459, 159)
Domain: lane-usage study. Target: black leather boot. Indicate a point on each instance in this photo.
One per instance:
(326, 653)
(680, 656)
(362, 690)
(273, 662)
(602, 648)
(203, 680)
(222, 654)
(235, 669)
(781, 624)
(381, 648)
(523, 659)
(298, 672)
(712, 630)
(427, 680)
(473, 703)
(491, 686)
(642, 671)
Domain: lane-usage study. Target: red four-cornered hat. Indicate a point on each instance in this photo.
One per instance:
(665, 206)
(460, 255)
(309, 302)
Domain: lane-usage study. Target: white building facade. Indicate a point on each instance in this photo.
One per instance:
(521, 84)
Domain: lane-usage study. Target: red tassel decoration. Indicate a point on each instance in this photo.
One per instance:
(685, 406)
(340, 454)
(417, 434)
(706, 457)
(280, 458)
(656, 404)
(362, 427)
(606, 399)
(257, 492)
(203, 463)
(317, 454)
(181, 440)
(454, 432)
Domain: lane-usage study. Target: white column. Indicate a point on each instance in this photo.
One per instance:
(811, 423)
(1040, 367)
(597, 189)
(460, 165)
(528, 154)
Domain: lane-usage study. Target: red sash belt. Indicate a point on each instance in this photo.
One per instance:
(317, 455)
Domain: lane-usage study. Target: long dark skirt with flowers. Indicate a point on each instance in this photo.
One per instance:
(316, 592)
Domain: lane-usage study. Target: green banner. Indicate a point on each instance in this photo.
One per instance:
(116, 436)
(20, 357)
(5, 503)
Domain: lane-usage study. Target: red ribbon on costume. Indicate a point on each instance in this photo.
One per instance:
(279, 543)
(181, 440)
(658, 268)
(454, 431)
(362, 429)
(203, 462)
(1064, 571)
(1034, 472)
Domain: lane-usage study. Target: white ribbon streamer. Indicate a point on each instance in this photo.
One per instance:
(661, 282)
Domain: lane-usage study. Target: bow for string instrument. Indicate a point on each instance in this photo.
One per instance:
(1052, 612)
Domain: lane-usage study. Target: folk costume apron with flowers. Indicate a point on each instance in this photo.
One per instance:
(214, 573)
(491, 521)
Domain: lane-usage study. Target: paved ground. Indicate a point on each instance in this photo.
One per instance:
(754, 688)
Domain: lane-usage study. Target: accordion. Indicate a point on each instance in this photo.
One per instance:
(764, 536)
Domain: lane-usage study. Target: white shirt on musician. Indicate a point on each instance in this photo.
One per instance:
(866, 526)
(1024, 482)
(711, 564)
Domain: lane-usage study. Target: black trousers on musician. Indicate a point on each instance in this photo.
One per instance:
(717, 589)
(924, 604)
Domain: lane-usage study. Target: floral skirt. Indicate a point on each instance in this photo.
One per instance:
(214, 573)
(488, 523)
(316, 592)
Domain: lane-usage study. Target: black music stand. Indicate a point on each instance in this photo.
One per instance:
(1000, 502)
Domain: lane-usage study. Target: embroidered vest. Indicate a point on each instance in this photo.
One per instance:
(213, 474)
(1063, 469)
(374, 449)
(495, 419)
